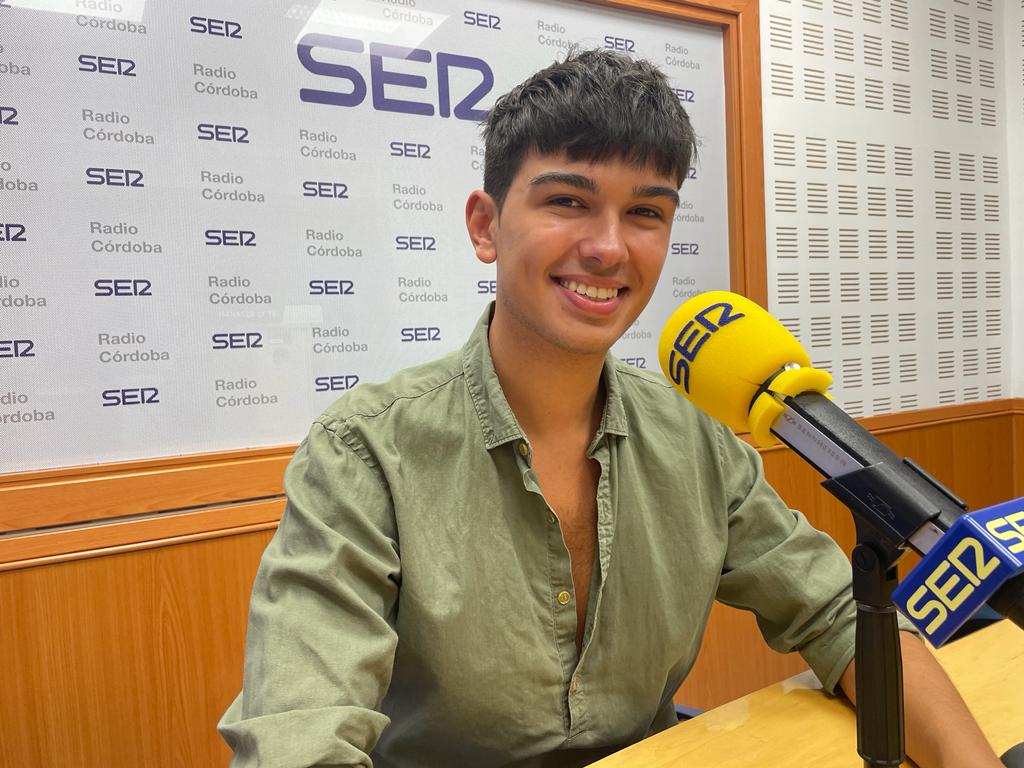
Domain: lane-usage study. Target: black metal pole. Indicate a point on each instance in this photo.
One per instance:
(879, 664)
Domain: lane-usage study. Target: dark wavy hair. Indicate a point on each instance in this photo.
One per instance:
(594, 105)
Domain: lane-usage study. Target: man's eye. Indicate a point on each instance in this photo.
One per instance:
(650, 213)
(565, 202)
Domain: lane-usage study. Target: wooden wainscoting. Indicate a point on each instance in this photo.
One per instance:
(1018, 448)
(126, 660)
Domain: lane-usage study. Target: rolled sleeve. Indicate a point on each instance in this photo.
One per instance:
(794, 578)
(321, 635)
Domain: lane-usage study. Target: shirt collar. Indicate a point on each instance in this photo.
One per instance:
(498, 423)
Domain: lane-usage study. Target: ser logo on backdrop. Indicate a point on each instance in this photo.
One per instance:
(12, 233)
(415, 243)
(232, 238)
(130, 396)
(205, 25)
(238, 340)
(421, 333)
(328, 189)
(114, 177)
(332, 288)
(337, 383)
(481, 20)
(381, 79)
(17, 348)
(684, 249)
(106, 65)
(123, 286)
(410, 149)
(234, 134)
(619, 43)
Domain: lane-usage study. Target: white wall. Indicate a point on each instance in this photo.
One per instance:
(887, 186)
(1014, 50)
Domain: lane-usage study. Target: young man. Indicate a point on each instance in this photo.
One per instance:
(507, 557)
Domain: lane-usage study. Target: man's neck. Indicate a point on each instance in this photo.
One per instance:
(553, 393)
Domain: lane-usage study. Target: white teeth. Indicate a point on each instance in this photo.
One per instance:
(590, 291)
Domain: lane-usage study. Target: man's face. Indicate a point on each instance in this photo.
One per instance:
(579, 246)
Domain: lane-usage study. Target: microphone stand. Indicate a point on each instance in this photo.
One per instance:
(878, 662)
(855, 480)
(894, 503)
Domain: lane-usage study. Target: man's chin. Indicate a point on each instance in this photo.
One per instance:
(588, 347)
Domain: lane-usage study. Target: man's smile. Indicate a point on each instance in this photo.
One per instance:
(590, 291)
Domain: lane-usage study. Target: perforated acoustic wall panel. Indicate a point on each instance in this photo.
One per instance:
(1014, 50)
(885, 125)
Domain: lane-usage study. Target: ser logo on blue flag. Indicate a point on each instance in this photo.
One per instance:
(979, 552)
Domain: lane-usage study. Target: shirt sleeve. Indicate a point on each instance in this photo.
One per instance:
(793, 577)
(321, 635)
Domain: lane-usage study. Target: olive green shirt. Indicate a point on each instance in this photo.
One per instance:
(415, 607)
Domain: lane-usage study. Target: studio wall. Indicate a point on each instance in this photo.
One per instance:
(891, 233)
(1014, 62)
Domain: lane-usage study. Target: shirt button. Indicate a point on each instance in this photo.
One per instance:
(564, 597)
(524, 450)
(574, 685)
(551, 518)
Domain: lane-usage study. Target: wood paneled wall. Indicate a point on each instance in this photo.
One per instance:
(1018, 449)
(127, 658)
(122, 661)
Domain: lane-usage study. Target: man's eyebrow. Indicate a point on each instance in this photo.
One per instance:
(657, 191)
(587, 184)
(571, 179)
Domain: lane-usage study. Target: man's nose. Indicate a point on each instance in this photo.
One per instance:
(604, 241)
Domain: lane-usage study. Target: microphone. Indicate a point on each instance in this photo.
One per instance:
(1014, 756)
(740, 365)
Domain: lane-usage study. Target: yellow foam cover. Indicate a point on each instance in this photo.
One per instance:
(719, 347)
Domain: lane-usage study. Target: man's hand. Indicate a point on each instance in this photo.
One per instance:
(940, 730)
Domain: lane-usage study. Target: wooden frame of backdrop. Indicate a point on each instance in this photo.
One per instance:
(112, 506)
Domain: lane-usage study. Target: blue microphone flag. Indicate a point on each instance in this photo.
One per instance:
(978, 553)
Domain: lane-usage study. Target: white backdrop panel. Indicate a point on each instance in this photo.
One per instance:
(218, 216)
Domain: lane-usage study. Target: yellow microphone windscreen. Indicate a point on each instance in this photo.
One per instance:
(719, 347)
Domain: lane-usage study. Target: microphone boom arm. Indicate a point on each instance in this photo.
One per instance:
(856, 481)
(893, 495)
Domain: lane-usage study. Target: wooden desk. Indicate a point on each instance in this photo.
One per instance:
(793, 723)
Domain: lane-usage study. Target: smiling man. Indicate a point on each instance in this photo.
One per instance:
(507, 557)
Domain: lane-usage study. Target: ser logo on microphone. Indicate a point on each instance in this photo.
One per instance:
(693, 336)
(979, 552)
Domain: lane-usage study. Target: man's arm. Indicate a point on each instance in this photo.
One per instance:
(940, 730)
(321, 639)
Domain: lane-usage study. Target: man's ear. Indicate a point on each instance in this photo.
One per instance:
(482, 225)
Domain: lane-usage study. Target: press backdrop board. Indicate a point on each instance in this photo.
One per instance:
(217, 216)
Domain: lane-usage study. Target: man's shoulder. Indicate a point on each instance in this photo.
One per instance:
(423, 387)
(654, 407)
(651, 388)
(643, 380)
